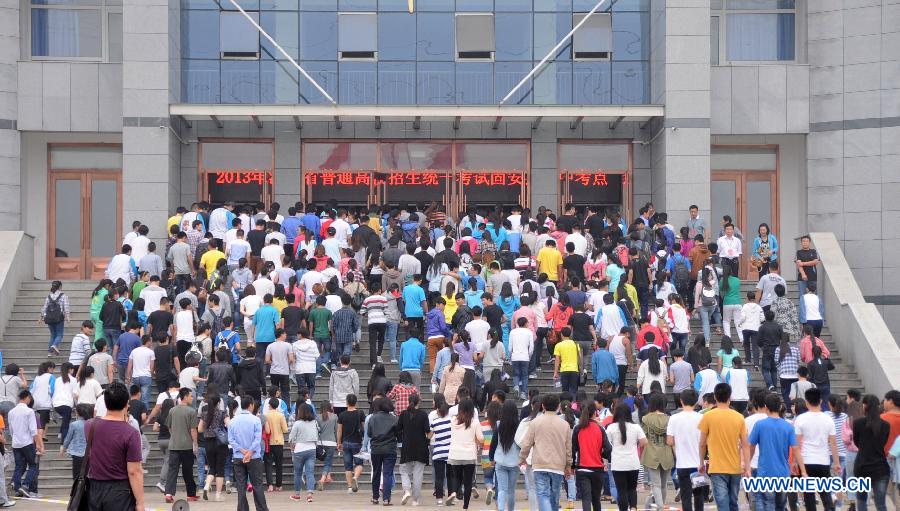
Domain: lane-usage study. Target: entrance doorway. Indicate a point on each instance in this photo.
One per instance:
(750, 198)
(85, 222)
(237, 170)
(595, 173)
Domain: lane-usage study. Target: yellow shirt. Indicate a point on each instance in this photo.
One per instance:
(548, 260)
(568, 353)
(277, 427)
(173, 220)
(723, 429)
(449, 308)
(375, 224)
(209, 259)
(279, 304)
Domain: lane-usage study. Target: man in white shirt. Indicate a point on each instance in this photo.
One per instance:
(264, 286)
(140, 368)
(231, 234)
(409, 265)
(184, 329)
(765, 288)
(151, 295)
(596, 292)
(610, 319)
(280, 358)
(521, 347)
(122, 266)
(132, 234)
(816, 436)
(27, 444)
(220, 220)
(139, 243)
(758, 407)
(578, 239)
(341, 228)
(310, 279)
(478, 329)
(272, 253)
(683, 435)
(730, 249)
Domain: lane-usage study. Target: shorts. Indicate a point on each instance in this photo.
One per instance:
(351, 449)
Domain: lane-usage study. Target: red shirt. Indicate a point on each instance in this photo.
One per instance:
(894, 420)
(590, 445)
(657, 336)
(400, 395)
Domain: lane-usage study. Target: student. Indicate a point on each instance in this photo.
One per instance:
(706, 380)
(725, 355)
(818, 374)
(818, 445)
(567, 362)
(657, 456)
(724, 434)
(811, 305)
(798, 388)
(681, 375)
(381, 428)
(739, 379)
(305, 436)
(871, 434)
(683, 435)
(775, 443)
(504, 453)
(349, 441)
(626, 439)
(652, 370)
(603, 365)
(414, 431)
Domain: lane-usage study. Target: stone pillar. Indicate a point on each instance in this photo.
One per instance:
(10, 174)
(680, 80)
(151, 81)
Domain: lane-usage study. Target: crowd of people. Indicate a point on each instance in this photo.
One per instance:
(246, 321)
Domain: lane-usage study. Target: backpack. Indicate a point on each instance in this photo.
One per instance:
(54, 313)
(681, 275)
(222, 341)
(212, 282)
(218, 323)
(708, 297)
(409, 235)
(622, 255)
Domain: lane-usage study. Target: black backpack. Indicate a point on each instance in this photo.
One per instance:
(681, 275)
(54, 313)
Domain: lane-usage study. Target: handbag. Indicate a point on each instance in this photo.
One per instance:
(222, 437)
(320, 449)
(78, 497)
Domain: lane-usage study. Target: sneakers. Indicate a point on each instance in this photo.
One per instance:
(379, 359)
(170, 499)
(22, 492)
(354, 485)
(193, 499)
(8, 503)
(405, 499)
(161, 488)
(394, 361)
(489, 497)
(451, 499)
(228, 487)
(350, 490)
(474, 493)
(440, 502)
(296, 497)
(532, 376)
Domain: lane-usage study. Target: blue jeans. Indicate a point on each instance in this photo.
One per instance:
(144, 382)
(547, 486)
(769, 369)
(849, 461)
(26, 463)
(201, 465)
(325, 350)
(112, 337)
(801, 287)
(56, 334)
(707, 313)
(520, 376)
(383, 469)
(341, 348)
(769, 501)
(725, 490)
(304, 465)
(825, 388)
(879, 491)
(506, 487)
(329, 459)
(390, 337)
(679, 340)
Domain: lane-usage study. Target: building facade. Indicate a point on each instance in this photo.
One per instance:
(785, 112)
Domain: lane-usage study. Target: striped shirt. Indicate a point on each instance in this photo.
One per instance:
(440, 441)
(838, 426)
(344, 322)
(374, 307)
(488, 434)
(787, 368)
(81, 346)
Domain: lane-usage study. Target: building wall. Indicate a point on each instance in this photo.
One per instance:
(759, 99)
(10, 204)
(70, 96)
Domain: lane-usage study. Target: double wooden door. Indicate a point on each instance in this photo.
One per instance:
(750, 198)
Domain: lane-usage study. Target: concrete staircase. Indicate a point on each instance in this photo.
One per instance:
(25, 342)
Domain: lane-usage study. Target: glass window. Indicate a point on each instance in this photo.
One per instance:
(475, 83)
(325, 74)
(594, 39)
(339, 156)
(499, 156)
(592, 83)
(238, 38)
(68, 218)
(236, 170)
(280, 82)
(573, 157)
(473, 5)
(104, 213)
(356, 5)
(66, 33)
(114, 29)
(475, 36)
(284, 28)
(553, 5)
(318, 35)
(397, 83)
(514, 43)
(549, 29)
(201, 81)
(507, 75)
(357, 35)
(318, 5)
(714, 40)
(200, 34)
(240, 81)
(357, 83)
(85, 157)
(396, 36)
(434, 39)
(630, 83)
(631, 36)
(416, 156)
(435, 83)
(762, 37)
(553, 85)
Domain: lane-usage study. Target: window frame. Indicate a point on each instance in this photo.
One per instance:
(724, 11)
(240, 15)
(340, 53)
(608, 58)
(103, 7)
(493, 52)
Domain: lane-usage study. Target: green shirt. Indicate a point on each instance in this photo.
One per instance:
(319, 317)
(180, 421)
(733, 296)
(727, 358)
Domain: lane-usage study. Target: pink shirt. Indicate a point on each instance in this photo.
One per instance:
(527, 313)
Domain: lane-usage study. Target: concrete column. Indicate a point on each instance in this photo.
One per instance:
(151, 81)
(10, 174)
(680, 79)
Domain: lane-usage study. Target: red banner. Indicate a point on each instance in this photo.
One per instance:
(241, 177)
(413, 178)
(589, 178)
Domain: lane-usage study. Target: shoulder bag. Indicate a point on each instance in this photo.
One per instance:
(78, 497)
(320, 449)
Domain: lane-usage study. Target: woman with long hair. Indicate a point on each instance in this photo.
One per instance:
(493, 354)
(64, 397)
(706, 298)
(787, 358)
(651, 370)
(521, 431)
(452, 378)
(465, 348)
(74, 442)
(730, 288)
(505, 456)
(837, 407)
(871, 434)
(98, 298)
(213, 424)
(439, 421)
(726, 355)
(381, 429)
(249, 304)
(494, 383)
(626, 438)
(327, 421)
(304, 435)
(589, 442)
(765, 248)
(657, 457)
(508, 302)
(55, 314)
(413, 425)
(679, 322)
(465, 445)
(698, 355)
(378, 385)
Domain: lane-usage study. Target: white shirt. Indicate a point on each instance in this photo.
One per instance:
(512, 275)
(478, 329)
(310, 279)
(129, 238)
(579, 241)
(306, 352)
(151, 295)
(272, 254)
(625, 457)
(218, 222)
(330, 273)
(646, 379)
(81, 346)
(751, 317)
(64, 393)
(251, 304)
(515, 221)
(186, 379)
(275, 235)
(409, 266)
(22, 425)
(333, 303)
(811, 307)
(729, 248)
(610, 320)
(750, 422)
(119, 268)
(683, 427)
(230, 236)
(739, 379)
(237, 249)
(521, 344)
(617, 348)
(184, 326)
(139, 247)
(708, 380)
(141, 357)
(679, 322)
(341, 231)
(595, 298)
(263, 287)
(89, 392)
(816, 428)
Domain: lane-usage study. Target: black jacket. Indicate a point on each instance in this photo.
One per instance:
(818, 371)
(221, 374)
(251, 376)
(769, 336)
(383, 433)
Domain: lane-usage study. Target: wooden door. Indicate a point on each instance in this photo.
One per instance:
(750, 198)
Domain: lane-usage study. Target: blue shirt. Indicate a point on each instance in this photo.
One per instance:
(412, 354)
(289, 228)
(436, 324)
(473, 298)
(265, 320)
(773, 438)
(677, 257)
(231, 338)
(413, 296)
(464, 283)
(441, 361)
(603, 365)
(127, 343)
(312, 223)
(245, 432)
